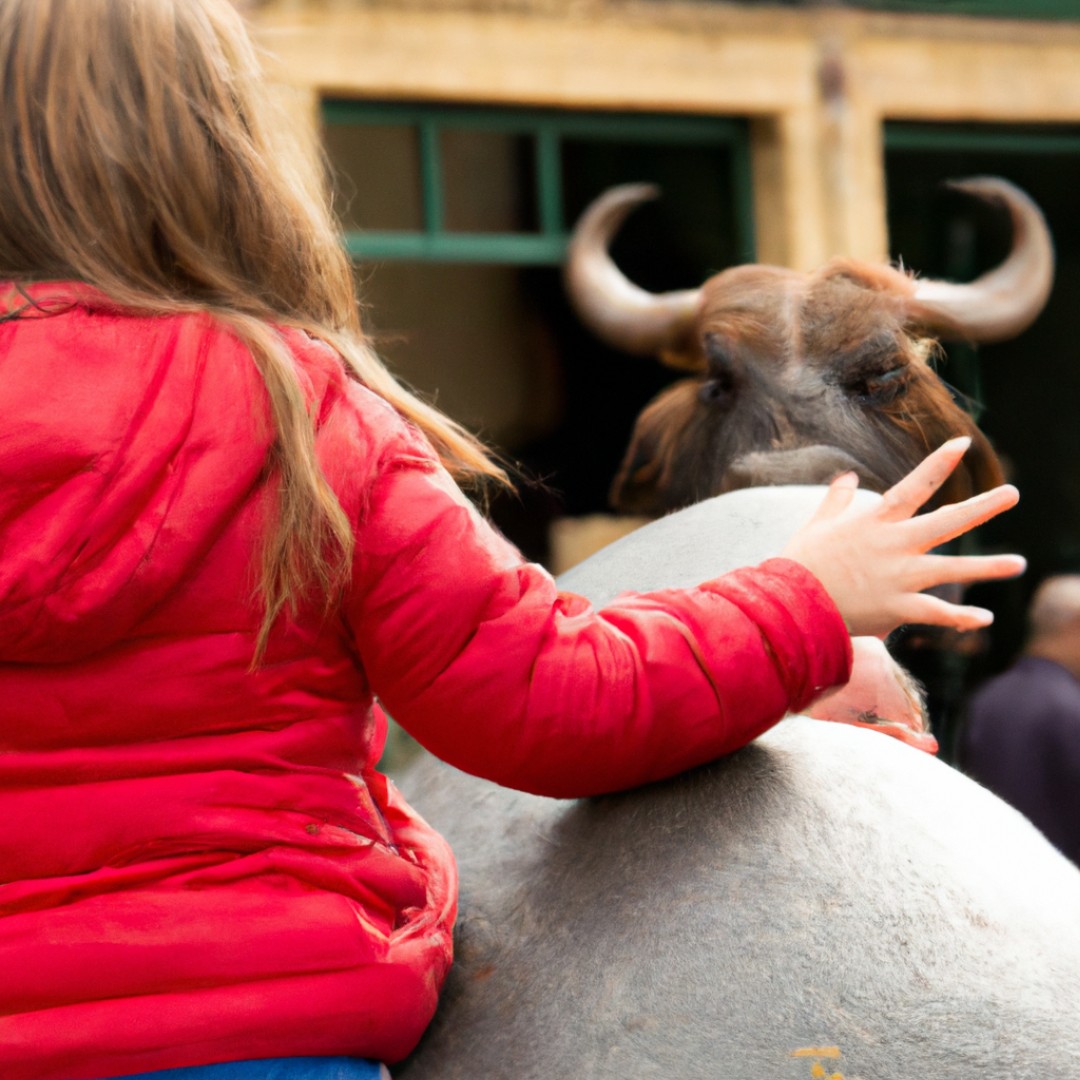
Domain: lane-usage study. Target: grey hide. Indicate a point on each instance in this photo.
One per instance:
(827, 901)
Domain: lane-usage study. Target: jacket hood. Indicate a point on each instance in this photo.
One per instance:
(108, 445)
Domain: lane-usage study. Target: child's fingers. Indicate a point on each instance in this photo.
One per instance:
(933, 611)
(906, 496)
(948, 522)
(966, 569)
(838, 498)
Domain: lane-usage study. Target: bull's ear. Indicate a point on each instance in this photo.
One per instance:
(637, 485)
(684, 354)
(979, 471)
(648, 482)
(982, 463)
(932, 415)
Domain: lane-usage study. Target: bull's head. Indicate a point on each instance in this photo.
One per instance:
(797, 377)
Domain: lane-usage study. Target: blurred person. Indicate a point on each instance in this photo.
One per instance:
(1021, 737)
(226, 530)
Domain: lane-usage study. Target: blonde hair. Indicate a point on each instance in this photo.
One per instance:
(140, 153)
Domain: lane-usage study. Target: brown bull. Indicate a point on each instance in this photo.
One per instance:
(797, 377)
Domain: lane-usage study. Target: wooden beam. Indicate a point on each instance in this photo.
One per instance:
(853, 163)
(852, 154)
(539, 61)
(789, 202)
(955, 80)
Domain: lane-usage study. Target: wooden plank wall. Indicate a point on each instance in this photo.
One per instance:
(817, 84)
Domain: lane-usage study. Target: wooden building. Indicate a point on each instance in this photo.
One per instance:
(466, 135)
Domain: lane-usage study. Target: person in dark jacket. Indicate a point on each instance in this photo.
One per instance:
(1021, 738)
(226, 531)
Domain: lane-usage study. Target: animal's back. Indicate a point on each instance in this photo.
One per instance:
(825, 888)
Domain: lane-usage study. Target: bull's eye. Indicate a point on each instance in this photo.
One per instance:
(720, 377)
(879, 387)
(717, 391)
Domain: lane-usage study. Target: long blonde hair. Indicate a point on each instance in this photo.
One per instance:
(140, 152)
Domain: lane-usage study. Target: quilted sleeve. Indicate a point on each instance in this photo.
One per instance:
(479, 656)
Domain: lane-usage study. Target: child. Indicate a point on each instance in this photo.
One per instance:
(225, 530)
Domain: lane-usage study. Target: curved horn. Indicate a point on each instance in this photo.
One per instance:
(610, 305)
(1004, 301)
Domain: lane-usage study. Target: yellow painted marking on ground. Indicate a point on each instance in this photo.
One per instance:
(817, 1070)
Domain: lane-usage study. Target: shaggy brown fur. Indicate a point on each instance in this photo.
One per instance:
(798, 377)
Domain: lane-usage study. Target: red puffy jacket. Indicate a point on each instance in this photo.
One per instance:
(198, 862)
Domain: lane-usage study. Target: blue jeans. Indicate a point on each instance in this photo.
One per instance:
(298, 1068)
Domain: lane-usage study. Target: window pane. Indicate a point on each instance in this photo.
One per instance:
(488, 182)
(376, 175)
(690, 231)
(465, 337)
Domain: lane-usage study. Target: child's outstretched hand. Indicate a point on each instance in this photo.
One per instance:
(874, 561)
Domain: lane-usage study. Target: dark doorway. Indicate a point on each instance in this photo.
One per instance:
(1026, 391)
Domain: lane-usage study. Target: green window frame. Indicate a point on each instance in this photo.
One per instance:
(1001, 9)
(546, 130)
(994, 139)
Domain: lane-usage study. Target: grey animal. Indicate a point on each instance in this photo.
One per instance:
(827, 902)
